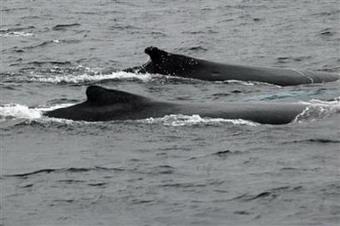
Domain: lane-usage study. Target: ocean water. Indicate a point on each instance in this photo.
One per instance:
(179, 169)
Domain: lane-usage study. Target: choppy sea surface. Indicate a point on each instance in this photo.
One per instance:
(179, 169)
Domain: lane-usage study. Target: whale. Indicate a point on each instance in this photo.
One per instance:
(165, 63)
(103, 104)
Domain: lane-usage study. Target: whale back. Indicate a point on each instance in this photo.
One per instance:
(100, 96)
(105, 104)
(162, 62)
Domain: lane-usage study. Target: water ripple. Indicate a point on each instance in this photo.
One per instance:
(62, 170)
(59, 27)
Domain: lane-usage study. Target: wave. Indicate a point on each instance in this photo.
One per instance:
(269, 195)
(50, 42)
(315, 140)
(64, 26)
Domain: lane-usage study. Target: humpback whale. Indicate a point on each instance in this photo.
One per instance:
(162, 62)
(104, 104)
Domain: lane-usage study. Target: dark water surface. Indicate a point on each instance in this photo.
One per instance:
(179, 169)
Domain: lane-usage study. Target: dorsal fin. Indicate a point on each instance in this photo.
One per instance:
(101, 96)
(155, 53)
(168, 63)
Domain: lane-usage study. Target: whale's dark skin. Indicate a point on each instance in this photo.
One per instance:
(107, 104)
(162, 62)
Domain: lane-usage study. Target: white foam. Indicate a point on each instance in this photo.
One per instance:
(318, 109)
(18, 111)
(333, 103)
(25, 112)
(232, 81)
(246, 83)
(16, 34)
(187, 120)
(94, 74)
(88, 77)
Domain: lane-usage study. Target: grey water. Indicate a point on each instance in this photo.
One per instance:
(175, 170)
